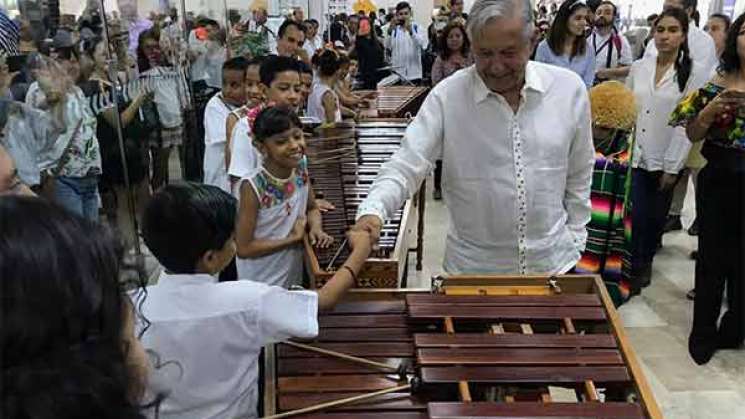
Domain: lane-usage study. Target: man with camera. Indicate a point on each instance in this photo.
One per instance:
(406, 42)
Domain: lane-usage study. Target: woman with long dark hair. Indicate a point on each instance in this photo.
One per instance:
(370, 55)
(660, 150)
(715, 114)
(136, 129)
(455, 53)
(169, 99)
(566, 45)
(68, 343)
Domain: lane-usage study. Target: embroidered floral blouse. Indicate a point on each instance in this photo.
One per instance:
(727, 132)
(273, 192)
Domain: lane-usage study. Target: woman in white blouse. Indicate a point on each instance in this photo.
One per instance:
(660, 151)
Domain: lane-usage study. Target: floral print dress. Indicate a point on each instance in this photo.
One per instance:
(728, 132)
(281, 203)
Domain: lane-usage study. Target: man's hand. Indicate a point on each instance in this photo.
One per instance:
(667, 181)
(372, 224)
(359, 240)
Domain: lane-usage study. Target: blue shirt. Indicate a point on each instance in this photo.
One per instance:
(583, 65)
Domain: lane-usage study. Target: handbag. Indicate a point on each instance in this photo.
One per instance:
(47, 188)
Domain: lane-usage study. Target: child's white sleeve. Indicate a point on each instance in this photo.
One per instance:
(214, 124)
(286, 314)
(244, 158)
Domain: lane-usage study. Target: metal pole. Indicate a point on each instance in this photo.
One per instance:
(115, 86)
(228, 28)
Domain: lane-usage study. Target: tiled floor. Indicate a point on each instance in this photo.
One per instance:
(657, 324)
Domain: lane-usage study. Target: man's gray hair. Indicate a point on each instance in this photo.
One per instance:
(484, 11)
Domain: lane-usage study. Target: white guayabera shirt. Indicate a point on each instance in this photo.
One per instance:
(208, 336)
(517, 185)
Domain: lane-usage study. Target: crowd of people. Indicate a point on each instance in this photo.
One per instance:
(550, 139)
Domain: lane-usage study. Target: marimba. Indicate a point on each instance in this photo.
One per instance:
(343, 163)
(396, 102)
(472, 347)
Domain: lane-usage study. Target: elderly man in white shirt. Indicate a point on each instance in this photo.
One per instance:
(515, 138)
(406, 41)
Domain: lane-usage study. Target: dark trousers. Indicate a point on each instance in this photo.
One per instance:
(721, 259)
(438, 175)
(648, 214)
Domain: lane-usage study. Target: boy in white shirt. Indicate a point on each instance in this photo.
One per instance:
(210, 334)
(282, 86)
(232, 96)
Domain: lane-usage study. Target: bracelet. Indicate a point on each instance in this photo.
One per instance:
(351, 272)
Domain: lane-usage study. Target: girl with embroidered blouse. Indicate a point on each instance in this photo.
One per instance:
(277, 204)
(715, 114)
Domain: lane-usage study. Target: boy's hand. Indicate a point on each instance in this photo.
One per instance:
(360, 240)
(298, 230)
(320, 239)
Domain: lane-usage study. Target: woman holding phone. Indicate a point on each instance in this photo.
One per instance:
(715, 114)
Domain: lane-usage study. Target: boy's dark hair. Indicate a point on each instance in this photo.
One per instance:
(185, 220)
(403, 5)
(274, 65)
(274, 120)
(287, 23)
(236, 64)
(305, 68)
(256, 61)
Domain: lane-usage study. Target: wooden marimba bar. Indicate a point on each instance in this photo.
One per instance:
(527, 347)
(396, 102)
(343, 163)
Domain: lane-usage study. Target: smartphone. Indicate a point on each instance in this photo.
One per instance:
(16, 62)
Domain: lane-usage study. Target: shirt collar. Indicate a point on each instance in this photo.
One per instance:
(534, 82)
(176, 280)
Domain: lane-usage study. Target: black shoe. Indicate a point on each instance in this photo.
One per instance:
(693, 229)
(691, 295)
(701, 350)
(694, 255)
(672, 224)
(437, 195)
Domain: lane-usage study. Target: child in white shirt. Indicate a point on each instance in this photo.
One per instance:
(208, 335)
(280, 85)
(216, 114)
(277, 203)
